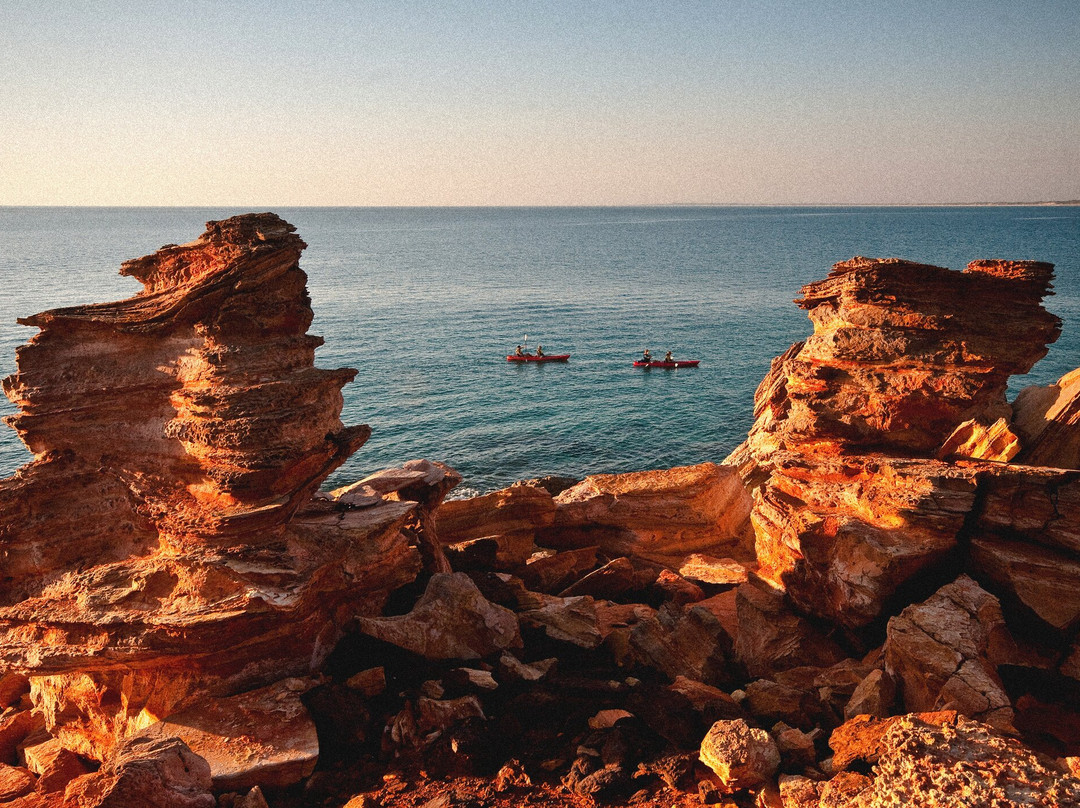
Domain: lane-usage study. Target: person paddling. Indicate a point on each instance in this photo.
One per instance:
(668, 358)
(646, 356)
(539, 350)
(518, 351)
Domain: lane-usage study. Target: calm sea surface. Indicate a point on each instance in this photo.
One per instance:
(427, 303)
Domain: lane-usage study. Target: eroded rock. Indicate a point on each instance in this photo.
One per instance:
(740, 755)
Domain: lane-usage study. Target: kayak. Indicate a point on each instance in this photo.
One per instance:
(678, 363)
(531, 358)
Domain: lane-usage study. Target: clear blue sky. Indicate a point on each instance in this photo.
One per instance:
(504, 103)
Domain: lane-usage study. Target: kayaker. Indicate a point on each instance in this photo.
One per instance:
(518, 351)
(539, 350)
(667, 357)
(646, 356)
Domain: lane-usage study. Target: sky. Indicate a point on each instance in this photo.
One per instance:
(534, 102)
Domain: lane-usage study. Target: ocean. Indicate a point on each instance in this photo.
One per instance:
(427, 302)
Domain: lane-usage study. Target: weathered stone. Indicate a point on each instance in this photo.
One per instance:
(875, 696)
(165, 544)
(1041, 578)
(570, 620)
(799, 792)
(370, 682)
(554, 572)
(616, 578)
(741, 756)
(13, 686)
(15, 726)
(773, 638)
(161, 773)
(677, 589)
(451, 621)
(1038, 505)
(841, 533)
(521, 509)
(1048, 421)
(966, 764)
(974, 440)
(264, 737)
(710, 570)
(944, 653)
(770, 701)
(688, 642)
(58, 770)
(860, 739)
(796, 747)
(15, 781)
(660, 516)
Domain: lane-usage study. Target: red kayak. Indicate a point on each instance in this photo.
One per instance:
(678, 363)
(532, 358)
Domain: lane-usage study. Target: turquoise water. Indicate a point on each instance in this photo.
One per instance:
(427, 303)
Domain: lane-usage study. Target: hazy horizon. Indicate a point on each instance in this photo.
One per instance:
(519, 104)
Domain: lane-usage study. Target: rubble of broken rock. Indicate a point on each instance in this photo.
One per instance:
(872, 601)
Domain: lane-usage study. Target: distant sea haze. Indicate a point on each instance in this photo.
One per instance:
(427, 303)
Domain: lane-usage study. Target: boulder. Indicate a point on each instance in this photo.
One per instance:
(660, 516)
(943, 653)
(15, 781)
(740, 755)
(710, 570)
(452, 620)
(683, 642)
(519, 509)
(1047, 419)
(967, 763)
(874, 696)
(155, 773)
(771, 637)
(264, 737)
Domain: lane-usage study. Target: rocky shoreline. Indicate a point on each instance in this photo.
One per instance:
(873, 600)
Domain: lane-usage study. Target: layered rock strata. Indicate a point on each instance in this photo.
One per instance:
(164, 544)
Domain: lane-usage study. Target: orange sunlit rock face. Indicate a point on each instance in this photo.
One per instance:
(164, 543)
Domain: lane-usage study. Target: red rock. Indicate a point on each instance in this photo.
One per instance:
(677, 589)
(977, 441)
(616, 578)
(902, 353)
(740, 755)
(263, 737)
(1042, 579)
(710, 570)
(967, 763)
(518, 509)
(553, 573)
(15, 781)
(773, 638)
(944, 652)
(874, 696)
(164, 544)
(841, 533)
(1038, 505)
(570, 620)
(154, 773)
(451, 621)
(14, 727)
(13, 686)
(1048, 421)
(861, 738)
(56, 769)
(684, 642)
(660, 516)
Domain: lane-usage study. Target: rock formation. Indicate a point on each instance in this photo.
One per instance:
(186, 621)
(164, 544)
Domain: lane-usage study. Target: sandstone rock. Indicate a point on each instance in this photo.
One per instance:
(677, 589)
(1048, 421)
(58, 769)
(902, 352)
(741, 756)
(773, 638)
(554, 572)
(860, 739)
(1042, 579)
(841, 533)
(977, 441)
(570, 620)
(13, 686)
(518, 509)
(154, 551)
(614, 579)
(968, 764)
(1038, 505)
(264, 737)
(451, 621)
(874, 696)
(944, 653)
(710, 570)
(15, 726)
(161, 773)
(770, 701)
(514, 669)
(799, 792)
(686, 642)
(370, 682)
(660, 516)
(15, 781)
(796, 747)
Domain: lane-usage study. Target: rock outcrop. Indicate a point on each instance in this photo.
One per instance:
(164, 545)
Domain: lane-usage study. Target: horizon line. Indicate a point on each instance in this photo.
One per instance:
(1039, 203)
